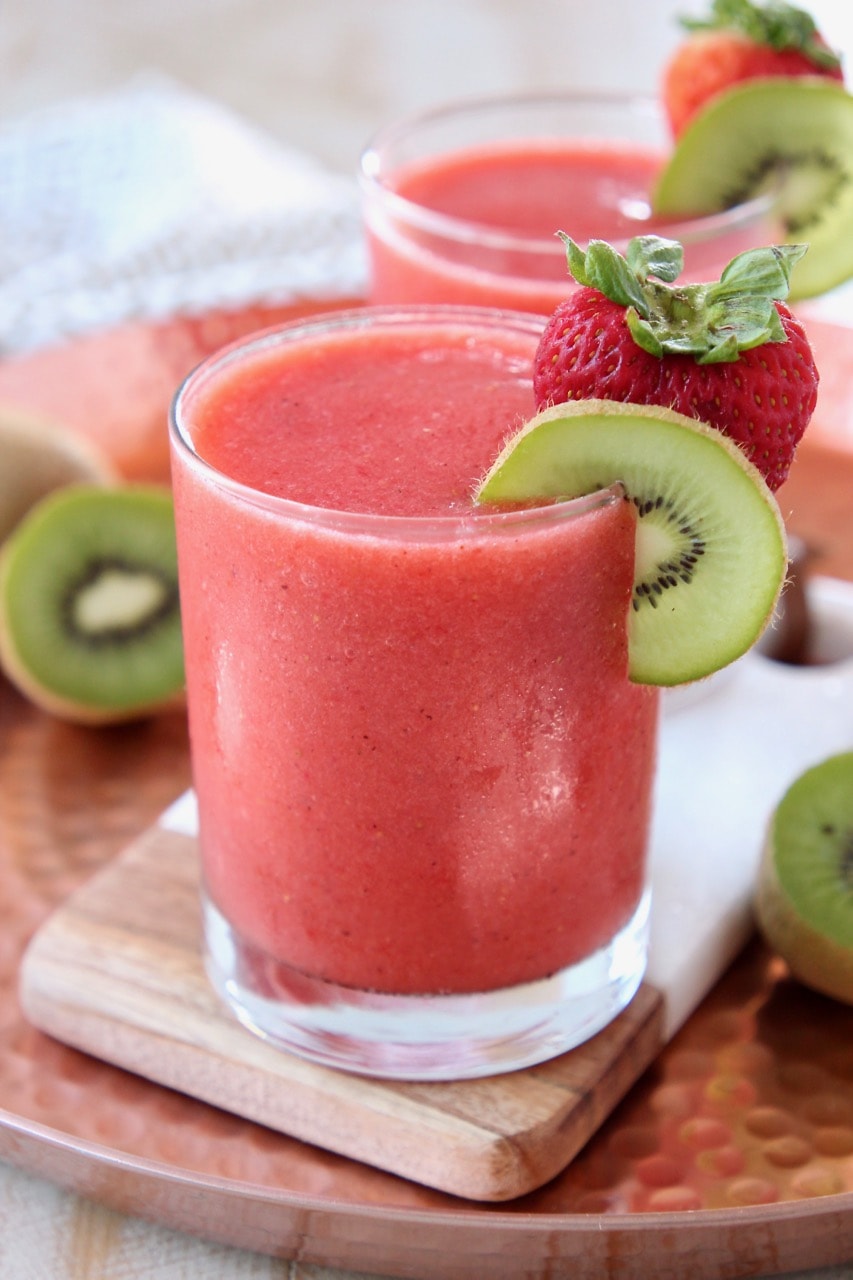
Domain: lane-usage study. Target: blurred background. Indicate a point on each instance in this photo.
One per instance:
(321, 75)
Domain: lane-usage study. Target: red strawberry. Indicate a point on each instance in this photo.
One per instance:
(741, 41)
(729, 353)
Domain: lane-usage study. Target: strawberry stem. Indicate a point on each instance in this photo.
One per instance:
(777, 25)
(713, 322)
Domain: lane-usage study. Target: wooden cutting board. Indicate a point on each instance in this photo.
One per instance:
(117, 972)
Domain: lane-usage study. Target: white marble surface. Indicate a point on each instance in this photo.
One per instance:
(318, 75)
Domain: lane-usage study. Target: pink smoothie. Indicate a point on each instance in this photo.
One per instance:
(419, 762)
(507, 202)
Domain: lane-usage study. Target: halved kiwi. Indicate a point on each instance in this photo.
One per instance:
(804, 896)
(711, 551)
(89, 610)
(792, 137)
(38, 456)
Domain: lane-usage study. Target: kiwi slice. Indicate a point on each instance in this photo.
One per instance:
(711, 551)
(804, 896)
(89, 612)
(38, 456)
(791, 137)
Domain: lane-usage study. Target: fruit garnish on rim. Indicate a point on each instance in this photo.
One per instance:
(693, 399)
(729, 352)
(739, 41)
(758, 108)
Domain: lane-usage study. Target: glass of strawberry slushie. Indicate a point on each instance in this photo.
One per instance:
(463, 202)
(423, 775)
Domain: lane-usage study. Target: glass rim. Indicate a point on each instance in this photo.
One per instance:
(454, 526)
(372, 176)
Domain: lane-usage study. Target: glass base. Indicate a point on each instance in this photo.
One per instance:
(443, 1037)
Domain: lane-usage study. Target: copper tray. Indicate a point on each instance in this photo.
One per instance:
(733, 1156)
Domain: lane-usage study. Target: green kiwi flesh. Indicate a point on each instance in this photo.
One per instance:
(804, 897)
(89, 610)
(710, 555)
(792, 137)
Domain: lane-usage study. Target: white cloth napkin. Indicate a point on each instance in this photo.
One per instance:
(153, 201)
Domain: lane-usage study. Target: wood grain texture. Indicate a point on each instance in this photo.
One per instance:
(117, 972)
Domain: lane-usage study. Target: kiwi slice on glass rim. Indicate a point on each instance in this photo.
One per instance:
(89, 611)
(790, 138)
(804, 896)
(711, 551)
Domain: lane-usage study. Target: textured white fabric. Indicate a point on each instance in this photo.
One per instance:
(151, 201)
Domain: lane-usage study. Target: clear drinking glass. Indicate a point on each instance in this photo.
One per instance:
(423, 776)
(462, 203)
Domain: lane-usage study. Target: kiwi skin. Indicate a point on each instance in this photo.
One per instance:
(38, 456)
(13, 662)
(815, 819)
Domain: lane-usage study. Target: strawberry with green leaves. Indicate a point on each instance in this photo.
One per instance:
(741, 41)
(729, 353)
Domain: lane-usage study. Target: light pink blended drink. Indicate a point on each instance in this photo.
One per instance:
(463, 203)
(423, 775)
